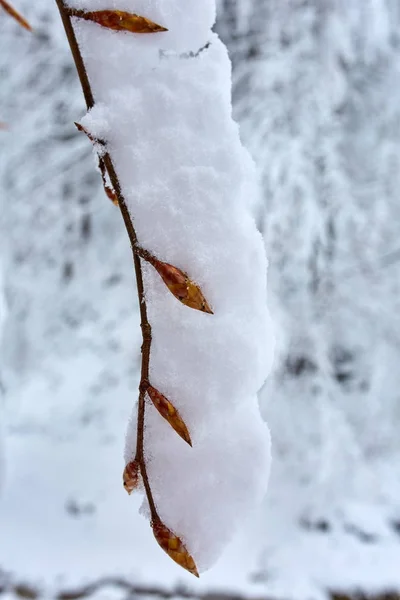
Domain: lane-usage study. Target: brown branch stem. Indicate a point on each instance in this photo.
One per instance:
(145, 254)
(65, 13)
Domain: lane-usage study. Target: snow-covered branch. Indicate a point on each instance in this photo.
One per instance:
(162, 127)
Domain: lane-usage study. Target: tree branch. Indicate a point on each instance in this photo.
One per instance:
(145, 325)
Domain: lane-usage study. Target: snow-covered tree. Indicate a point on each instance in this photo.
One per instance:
(316, 90)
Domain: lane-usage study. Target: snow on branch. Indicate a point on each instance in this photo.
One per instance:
(157, 85)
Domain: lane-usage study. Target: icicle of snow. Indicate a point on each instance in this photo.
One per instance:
(163, 105)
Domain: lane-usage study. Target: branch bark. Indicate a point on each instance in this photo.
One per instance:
(145, 325)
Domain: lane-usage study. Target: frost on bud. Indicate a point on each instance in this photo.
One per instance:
(174, 547)
(170, 414)
(119, 20)
(181, 286)
(131, 476)
(19, 18)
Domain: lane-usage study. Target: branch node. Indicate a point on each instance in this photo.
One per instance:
(144, 386)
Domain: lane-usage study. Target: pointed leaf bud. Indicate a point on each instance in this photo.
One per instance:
(131, 476)
(181, 286)
(170, 414)
(119, 20)
(110, 194)
(108, 190)
(85, 131)
(13, 13)
(173, 546)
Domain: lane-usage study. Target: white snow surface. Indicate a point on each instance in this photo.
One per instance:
(187, 180)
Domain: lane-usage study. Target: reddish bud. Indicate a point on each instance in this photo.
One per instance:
(131, 476)
(183, 288)
(119, 20)
(170, 414)
(173, 546)
(13, 13)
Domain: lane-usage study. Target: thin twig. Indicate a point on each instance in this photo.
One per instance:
(145, 325)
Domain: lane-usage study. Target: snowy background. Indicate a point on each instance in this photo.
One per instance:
(317, 95)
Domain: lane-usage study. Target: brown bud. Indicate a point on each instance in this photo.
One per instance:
(13, 13)
(85, 131)
(108, 190)
(181, 286)
(173, 546)
(110, 194)
(131, 476)
(119, 20)
(170, 414)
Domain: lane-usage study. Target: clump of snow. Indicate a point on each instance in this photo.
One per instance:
(186, 179)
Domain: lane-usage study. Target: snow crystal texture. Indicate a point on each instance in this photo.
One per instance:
(163, 105)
